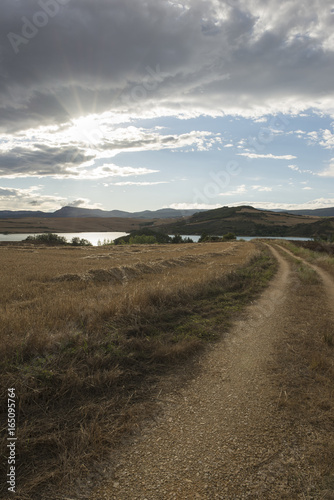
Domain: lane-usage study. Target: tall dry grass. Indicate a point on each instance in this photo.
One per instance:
(85, 332)
(49, 294)
(319, 258)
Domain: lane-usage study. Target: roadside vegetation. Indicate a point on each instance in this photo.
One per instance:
(305, 369)
(319, 252)
(87, 332)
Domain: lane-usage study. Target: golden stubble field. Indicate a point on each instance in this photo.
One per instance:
(48, 293)
(85, 333)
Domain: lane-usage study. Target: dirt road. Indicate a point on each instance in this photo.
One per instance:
(229, 433)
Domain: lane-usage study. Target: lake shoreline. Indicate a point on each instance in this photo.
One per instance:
(98, 238)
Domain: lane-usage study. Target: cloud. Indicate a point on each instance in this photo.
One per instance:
(155, 58)
(72, 151)
(243, 189)
(327, 140)
(83, 203)
(194, 206)
(323, 137)
(59, 163)
(262, 188)
(295, 168)
(28, 199)
(269, 156)
(138, 183)
(240, 189)
(328, 172)
(111, 170)
(300, 170)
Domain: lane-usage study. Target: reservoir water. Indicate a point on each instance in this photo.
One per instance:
(93, 238)
(97, 237)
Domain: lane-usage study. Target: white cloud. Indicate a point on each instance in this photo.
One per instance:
(322, 137)
(268, 156)
(243, 189)
(138, 183)
(194, 206)
(328, 172)
(327, 140)
(83, 203)
(28, 199)
(262, 119)
(294, 167)
(240, 190)
(300, 170)
(262, 188)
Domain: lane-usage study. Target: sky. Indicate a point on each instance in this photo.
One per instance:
(145, 104)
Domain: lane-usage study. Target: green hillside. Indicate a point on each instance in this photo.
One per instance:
(249, 221)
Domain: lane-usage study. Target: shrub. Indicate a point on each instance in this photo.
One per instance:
(142, 239)
(177, 238)
(48, 239)
(80, 242)
(229, 237)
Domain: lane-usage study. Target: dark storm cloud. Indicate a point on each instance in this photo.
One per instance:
(42, 160)
(65, 58)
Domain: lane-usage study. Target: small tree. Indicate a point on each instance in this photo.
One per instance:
(80, 242)
(229, 237)
(48, 239)
(142, 239)
(203, 237)
(177, 238)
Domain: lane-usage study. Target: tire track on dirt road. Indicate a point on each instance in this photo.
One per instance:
(221, 435)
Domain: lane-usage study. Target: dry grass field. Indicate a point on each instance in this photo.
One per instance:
(85, 331)
(48, 293)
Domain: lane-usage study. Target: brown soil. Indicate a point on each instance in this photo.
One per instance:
(255, 418)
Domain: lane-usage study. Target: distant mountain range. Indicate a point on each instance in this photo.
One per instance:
(164, 213)
(317, 212)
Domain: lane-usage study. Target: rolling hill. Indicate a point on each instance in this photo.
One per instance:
(249, 221)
